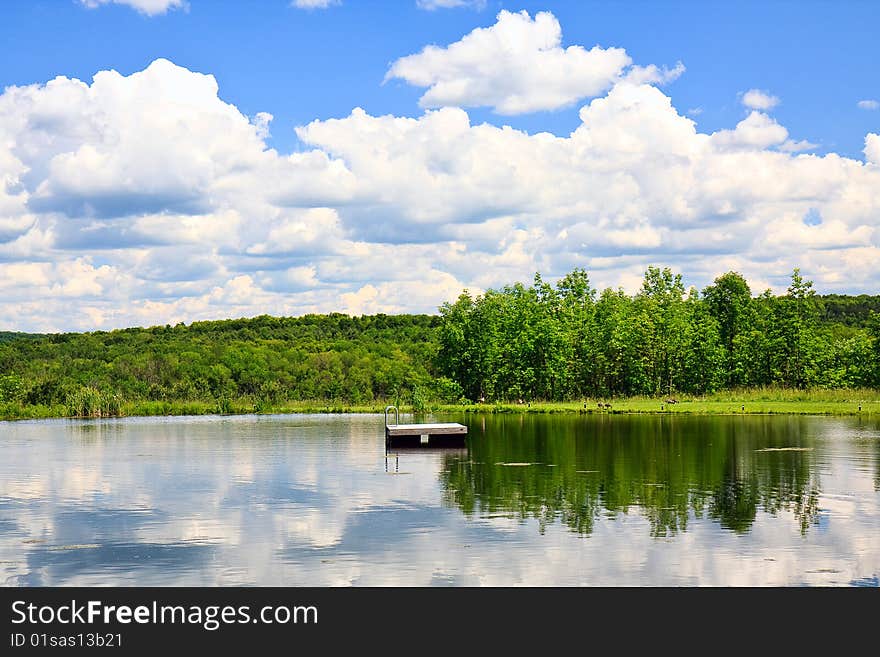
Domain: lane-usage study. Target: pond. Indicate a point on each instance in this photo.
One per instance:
(542, 500)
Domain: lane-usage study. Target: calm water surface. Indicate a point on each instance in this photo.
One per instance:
(536, 500)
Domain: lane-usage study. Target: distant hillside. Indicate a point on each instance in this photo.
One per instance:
(849, 310)
(520, 342)
(265, 359)
(7, 336)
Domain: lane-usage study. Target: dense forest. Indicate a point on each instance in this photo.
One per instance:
(537, 342)
(567, 341)
(8, 336)
(259, 362)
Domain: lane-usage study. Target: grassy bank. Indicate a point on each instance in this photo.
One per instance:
(750, 402)
(694, 407)
(15, 411)
(760, 401)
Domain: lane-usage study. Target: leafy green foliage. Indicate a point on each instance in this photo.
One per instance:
(520, 343)
(545, 343)
(8, 336)
(264, 362)
(91, 402)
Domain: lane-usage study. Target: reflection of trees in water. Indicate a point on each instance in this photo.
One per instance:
(790, 486)
(668, 468)
(774, 481)
(876, 426)
(734, 503)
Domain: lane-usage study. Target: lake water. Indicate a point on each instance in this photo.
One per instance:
(532, 500)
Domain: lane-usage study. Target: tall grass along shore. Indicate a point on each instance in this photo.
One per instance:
(767, 401)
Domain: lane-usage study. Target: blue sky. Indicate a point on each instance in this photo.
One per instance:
(820, 58)
(161, 194)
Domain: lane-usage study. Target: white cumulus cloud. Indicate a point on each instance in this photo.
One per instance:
(759, 100)
(517, 65)
(431, 5)
(149, 199)
(653, 74)
(314, 4)
(757, 130)
(146, 7)
(872, 148)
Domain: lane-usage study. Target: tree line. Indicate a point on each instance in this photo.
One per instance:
(264, 361)
(568, 341)
(539, 342)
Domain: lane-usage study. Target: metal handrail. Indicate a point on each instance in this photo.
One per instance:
(396, 415)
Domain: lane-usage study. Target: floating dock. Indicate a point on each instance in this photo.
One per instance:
(446, 434)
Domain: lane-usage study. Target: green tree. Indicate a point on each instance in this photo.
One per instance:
(728, 300)
(663, 312)
(577, 300)
(874, 333)
(795, 317)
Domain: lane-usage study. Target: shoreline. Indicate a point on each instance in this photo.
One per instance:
(852, 407)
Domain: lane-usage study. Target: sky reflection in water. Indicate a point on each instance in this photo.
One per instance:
(536, 500)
